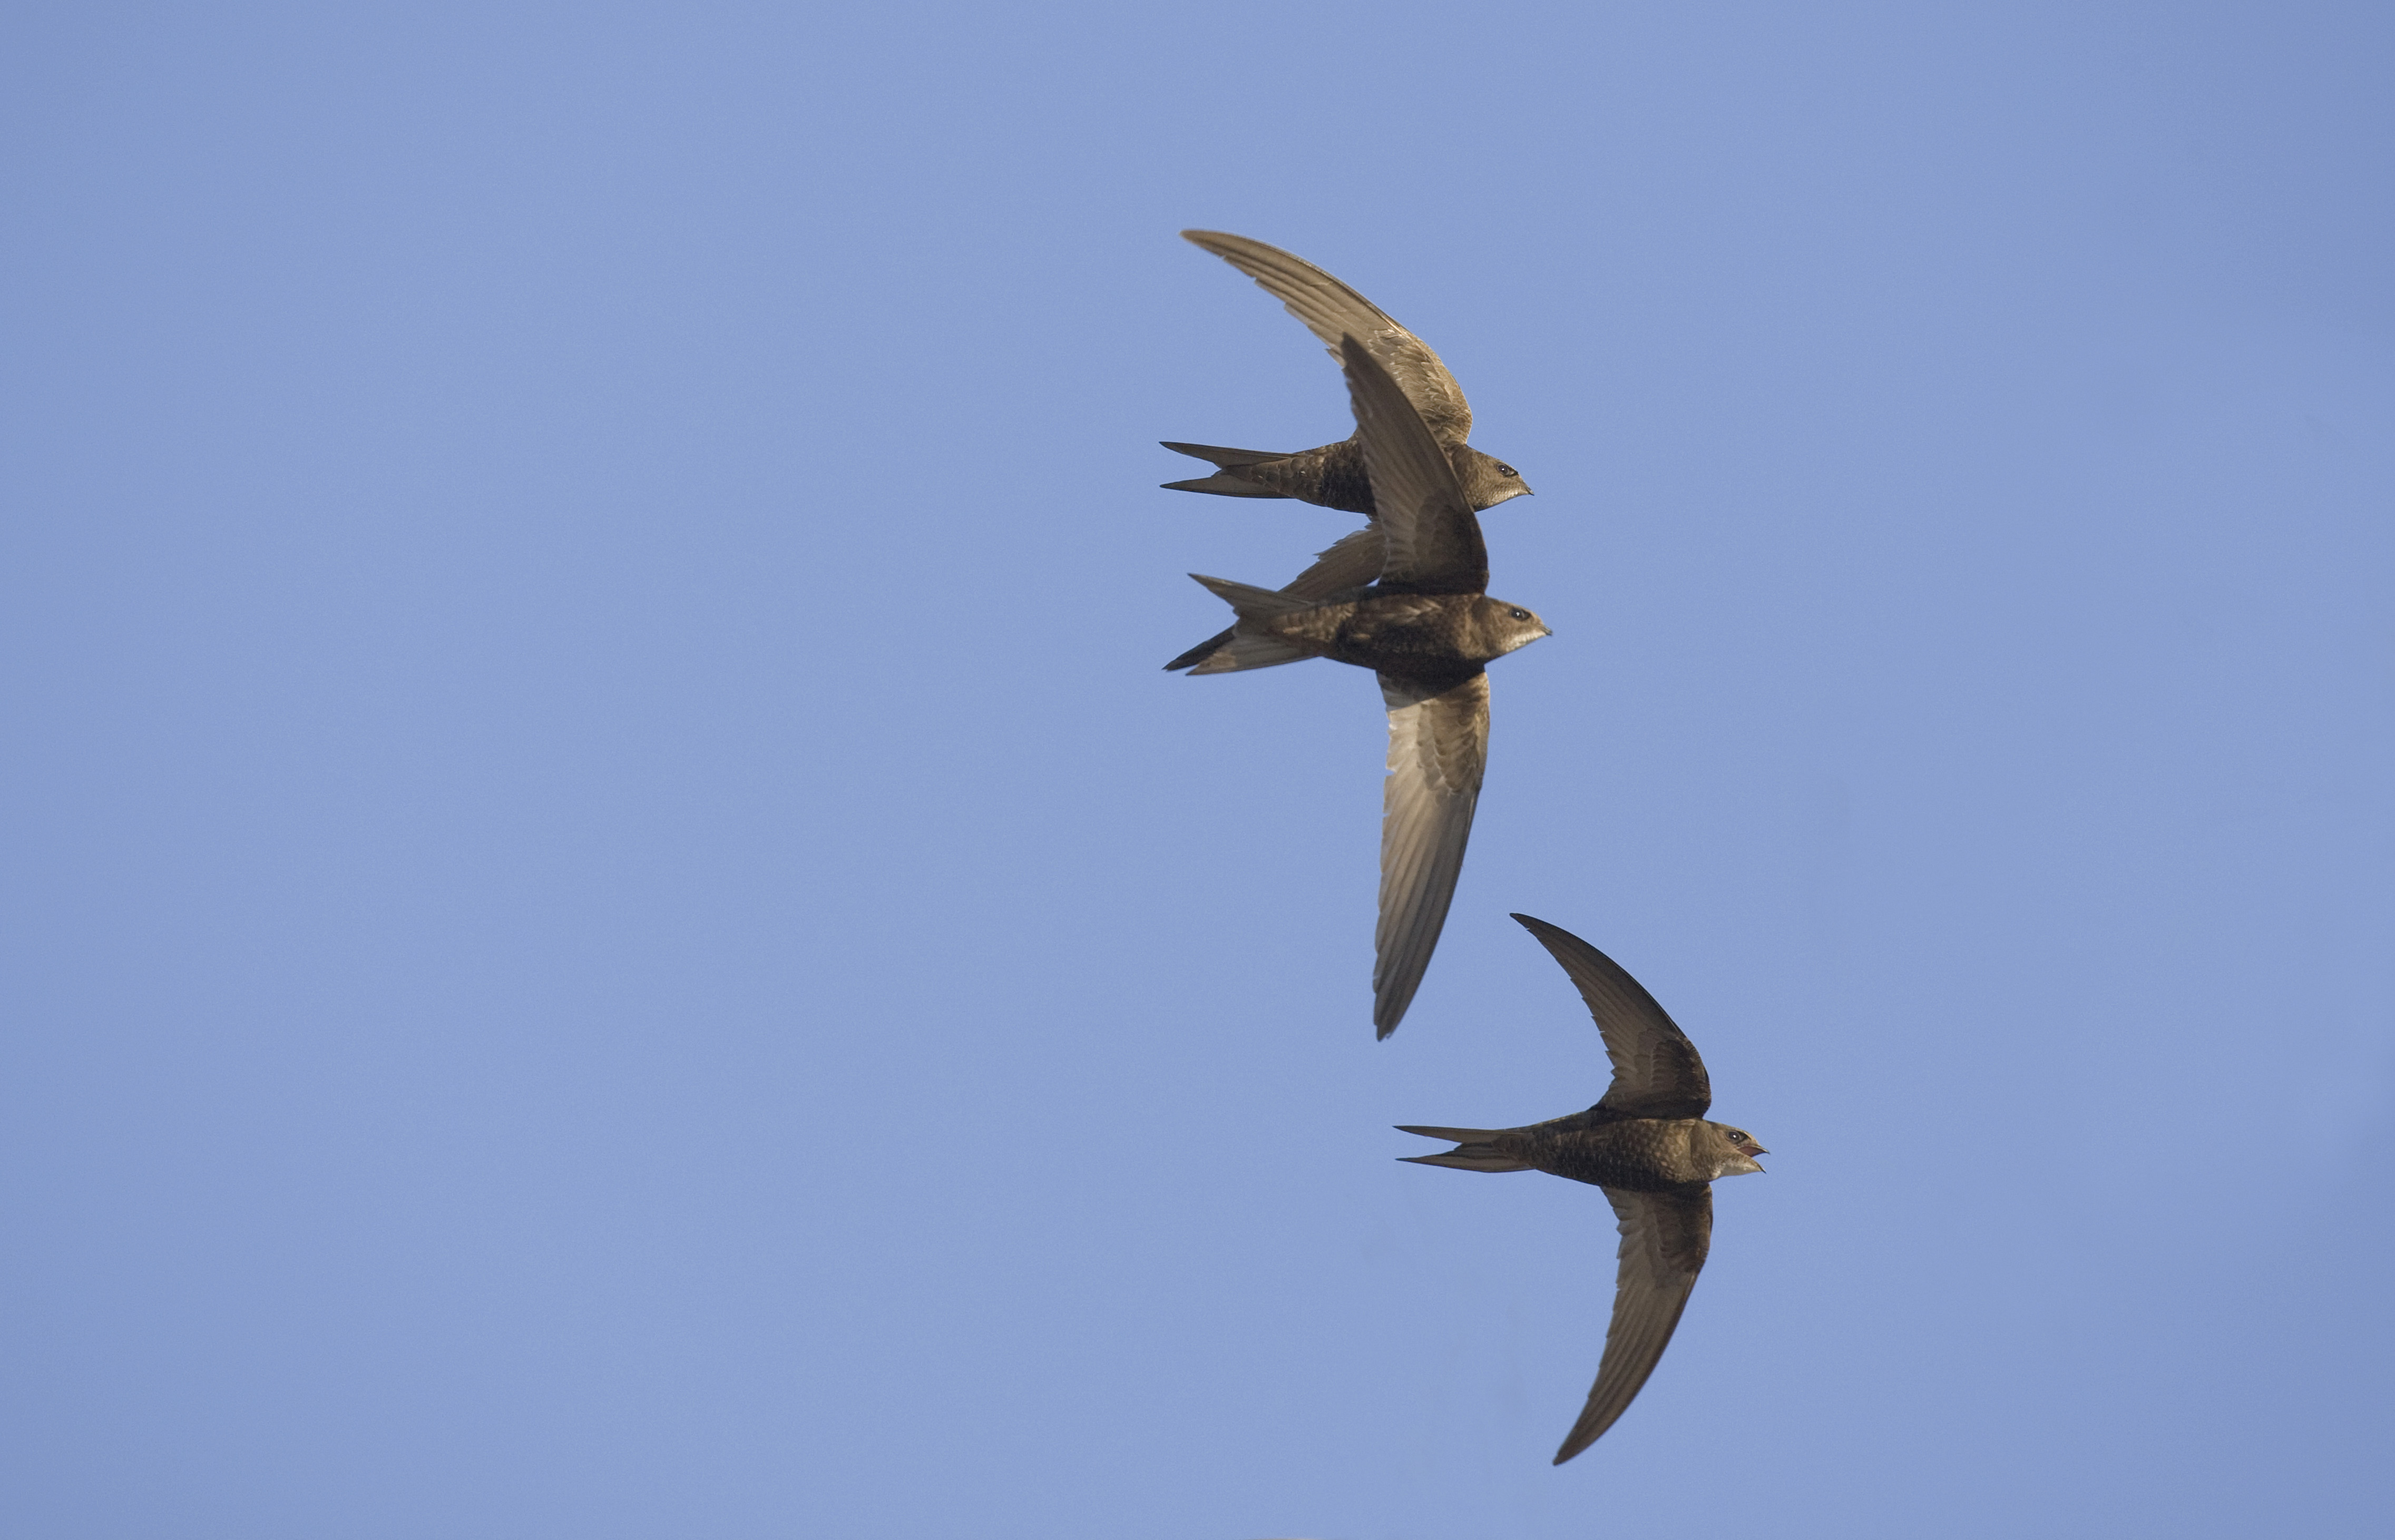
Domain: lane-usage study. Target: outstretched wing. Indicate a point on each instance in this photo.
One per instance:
(1439, 747)
(1331, 310)
(1655, 1070)
(1434, 538)
(1664, 1238)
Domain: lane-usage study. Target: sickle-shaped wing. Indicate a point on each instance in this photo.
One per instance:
(1331, 310)
(1655, 1070)
(1664, 1238)
(1434, 538)
(1439, 747)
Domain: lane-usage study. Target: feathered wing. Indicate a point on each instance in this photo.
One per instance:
(1353, 562)
(1433, 536)
(1330, 310)
(1655, 1070)
(1438, 749)
(1664, 1238)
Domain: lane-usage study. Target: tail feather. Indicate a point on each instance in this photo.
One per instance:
(1241, 652)
(1199, 653)
(1252, 645)
(1229, 459)
(1470, 1160)
(1223, 483)
(1227, 481)
(1254, 604)
(1476, 1150)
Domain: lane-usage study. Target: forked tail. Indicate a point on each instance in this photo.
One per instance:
(1475, 1149)
(1248, 646)
(1227, 481)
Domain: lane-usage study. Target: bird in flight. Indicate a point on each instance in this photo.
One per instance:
(1429, 629)
(1334, 475)
(1648, 1144)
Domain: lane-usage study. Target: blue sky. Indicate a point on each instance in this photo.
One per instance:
(614, 930)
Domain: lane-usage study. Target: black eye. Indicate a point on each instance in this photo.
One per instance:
(1504, 470)
(1740, 1134)
(1521, 614)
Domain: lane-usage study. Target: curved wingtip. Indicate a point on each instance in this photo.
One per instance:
(1541, 930)
(1215, 241)
(1580, 1437)
(1394, 995)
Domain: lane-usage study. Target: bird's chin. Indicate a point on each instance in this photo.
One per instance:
(1738, 1165)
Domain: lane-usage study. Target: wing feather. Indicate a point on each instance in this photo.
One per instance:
(1433, 541)
(1664, 1238)
(1438, 749)
(1330, 310)
(1655, 1070)
(1351, 562)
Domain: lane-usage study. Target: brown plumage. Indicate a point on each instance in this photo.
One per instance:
(1428, 628)
(1648, 1144)
(1335, 475)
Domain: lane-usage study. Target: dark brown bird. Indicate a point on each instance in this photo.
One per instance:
(1648, 1144)
(1428, 628)
(1334, 475)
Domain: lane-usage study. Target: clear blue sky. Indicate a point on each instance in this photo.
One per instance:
(614, 932)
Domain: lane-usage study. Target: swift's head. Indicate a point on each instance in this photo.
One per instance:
(1487, 480)
(1734, 1150)
(1501, 627)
